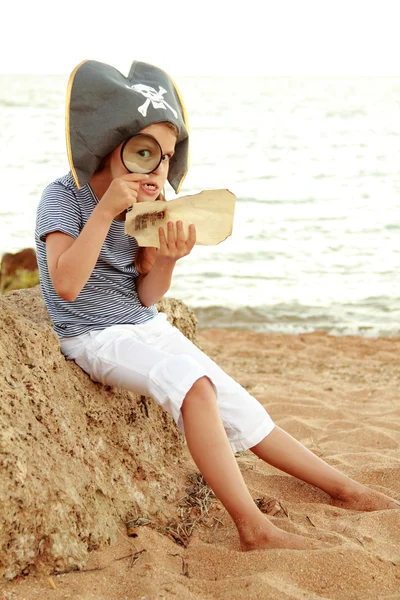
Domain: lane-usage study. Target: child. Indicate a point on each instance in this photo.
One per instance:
(101, 290)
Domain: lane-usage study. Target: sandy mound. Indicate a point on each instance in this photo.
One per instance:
(339, 396)
(78, 459)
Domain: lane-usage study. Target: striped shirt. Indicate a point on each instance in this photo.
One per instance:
(109, 296)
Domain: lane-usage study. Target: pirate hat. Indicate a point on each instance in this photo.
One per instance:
(104, 108)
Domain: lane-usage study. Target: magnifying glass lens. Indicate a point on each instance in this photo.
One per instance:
(141, 153)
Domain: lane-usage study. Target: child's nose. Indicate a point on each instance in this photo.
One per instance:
(160, 169)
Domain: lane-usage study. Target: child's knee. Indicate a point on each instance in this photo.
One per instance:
(201, 390)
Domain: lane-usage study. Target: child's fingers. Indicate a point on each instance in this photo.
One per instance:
(180, 232)
(175, 243)
(133, 185)
(134, 177)
(170, 234)
(191, 236)
(163, 239)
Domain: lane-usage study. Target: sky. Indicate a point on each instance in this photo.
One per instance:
(208, 37)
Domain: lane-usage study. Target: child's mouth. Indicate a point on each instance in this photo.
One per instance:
(150, 187)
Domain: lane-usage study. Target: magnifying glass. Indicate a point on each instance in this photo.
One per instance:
(141, 153)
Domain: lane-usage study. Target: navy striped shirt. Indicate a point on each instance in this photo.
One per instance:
(109, 297)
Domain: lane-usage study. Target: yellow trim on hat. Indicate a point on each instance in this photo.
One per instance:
(186, 121)
(67, 130)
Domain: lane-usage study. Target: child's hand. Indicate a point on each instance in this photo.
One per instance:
(122, 193)
(174, 246)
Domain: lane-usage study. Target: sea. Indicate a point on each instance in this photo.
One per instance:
(314, 163)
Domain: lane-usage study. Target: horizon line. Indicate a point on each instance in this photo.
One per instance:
(220, 74)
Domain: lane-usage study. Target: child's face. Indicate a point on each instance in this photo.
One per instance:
(149, 190)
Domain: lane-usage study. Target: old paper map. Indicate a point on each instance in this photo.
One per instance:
(211, 211)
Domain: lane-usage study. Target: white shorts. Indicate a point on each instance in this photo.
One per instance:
(155, 359)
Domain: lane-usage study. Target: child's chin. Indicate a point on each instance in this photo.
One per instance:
(146, 198)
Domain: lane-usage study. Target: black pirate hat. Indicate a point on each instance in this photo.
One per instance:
(104, 108)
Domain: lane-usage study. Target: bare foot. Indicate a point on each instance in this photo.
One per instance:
(272, 537)
(360, 497)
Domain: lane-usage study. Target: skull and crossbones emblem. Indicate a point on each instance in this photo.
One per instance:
(153, 97)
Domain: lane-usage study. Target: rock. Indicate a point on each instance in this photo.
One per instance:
(78, 459)
(18, 271)
(180, 316)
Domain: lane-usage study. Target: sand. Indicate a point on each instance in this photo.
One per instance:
(338, 396)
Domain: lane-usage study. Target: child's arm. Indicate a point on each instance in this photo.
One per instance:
(71, 260)
(152, 286)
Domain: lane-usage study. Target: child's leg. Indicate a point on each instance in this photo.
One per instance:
(211, 451)
(282, 451)
(239, 411)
